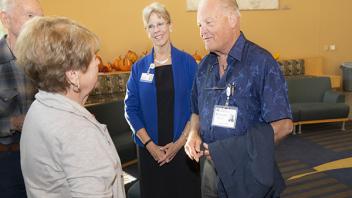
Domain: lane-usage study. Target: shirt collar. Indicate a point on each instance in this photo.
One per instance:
(237, 48)
(6, 54)
(61, 102)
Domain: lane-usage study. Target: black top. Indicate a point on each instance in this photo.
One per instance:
(165, 102)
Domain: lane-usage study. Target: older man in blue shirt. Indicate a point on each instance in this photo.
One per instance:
(238, 85)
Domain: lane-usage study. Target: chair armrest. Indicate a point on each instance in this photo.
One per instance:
(333, 97)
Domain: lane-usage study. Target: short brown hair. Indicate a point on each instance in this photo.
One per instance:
(48, 47)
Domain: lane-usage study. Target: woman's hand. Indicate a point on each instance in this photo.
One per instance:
(152, 148)
(155, 151)
(170, 150)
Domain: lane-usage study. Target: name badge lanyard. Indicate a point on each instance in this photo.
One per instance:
(230, 91)
(148, 77)
(225, 116)
(151, 66)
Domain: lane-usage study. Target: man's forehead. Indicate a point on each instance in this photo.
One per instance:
(208, 10)
(210, 14)
(29, 4)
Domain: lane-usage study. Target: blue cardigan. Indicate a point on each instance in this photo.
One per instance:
(141, 103)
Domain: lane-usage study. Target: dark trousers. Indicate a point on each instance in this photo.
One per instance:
(211, 183)
(11, 179)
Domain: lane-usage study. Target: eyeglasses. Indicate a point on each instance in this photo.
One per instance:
(152, 27)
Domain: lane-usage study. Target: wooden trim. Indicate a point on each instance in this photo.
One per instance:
(321, 121)
(129, 163)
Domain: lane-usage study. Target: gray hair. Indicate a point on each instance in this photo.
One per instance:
(231, 5)
(228, 5)
(158, 9)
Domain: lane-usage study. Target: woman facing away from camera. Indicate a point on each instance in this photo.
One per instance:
(65, 151)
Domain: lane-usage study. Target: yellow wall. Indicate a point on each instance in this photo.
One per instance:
(299, 29)
(119, 23)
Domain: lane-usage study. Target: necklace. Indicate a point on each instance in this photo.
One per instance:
(162, 62)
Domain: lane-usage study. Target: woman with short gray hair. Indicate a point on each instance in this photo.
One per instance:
(65, 151)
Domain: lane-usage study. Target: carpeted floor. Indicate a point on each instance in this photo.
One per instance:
(317, 163)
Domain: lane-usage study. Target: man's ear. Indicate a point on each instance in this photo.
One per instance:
(4, 19)
(234, 19)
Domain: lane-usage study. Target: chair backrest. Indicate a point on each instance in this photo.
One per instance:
(307, 88)
(292, 67)
(111, 114)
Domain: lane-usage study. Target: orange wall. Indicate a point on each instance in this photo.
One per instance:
(299, 29)
(305, 29)
(119, 23)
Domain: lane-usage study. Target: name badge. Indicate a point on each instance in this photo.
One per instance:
(225, 116)
(147, 77)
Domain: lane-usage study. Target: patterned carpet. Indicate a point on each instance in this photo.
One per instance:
(317, 163)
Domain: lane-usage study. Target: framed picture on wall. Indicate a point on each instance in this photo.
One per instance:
(192, 5)
(258, 4)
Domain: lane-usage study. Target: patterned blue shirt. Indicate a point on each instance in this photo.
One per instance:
(260, 90)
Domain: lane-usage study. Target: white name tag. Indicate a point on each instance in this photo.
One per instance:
(225, 116)
(147, 77)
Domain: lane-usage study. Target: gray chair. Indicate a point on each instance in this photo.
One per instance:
(112, 114)
(312, 100)
(134, 191)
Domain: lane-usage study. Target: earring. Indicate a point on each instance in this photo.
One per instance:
(76, 88)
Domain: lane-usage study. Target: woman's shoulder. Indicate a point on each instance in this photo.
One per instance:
(183, 53)
(142, 62)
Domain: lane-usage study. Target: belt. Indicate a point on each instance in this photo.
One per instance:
(11, 139)
(9, 148)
